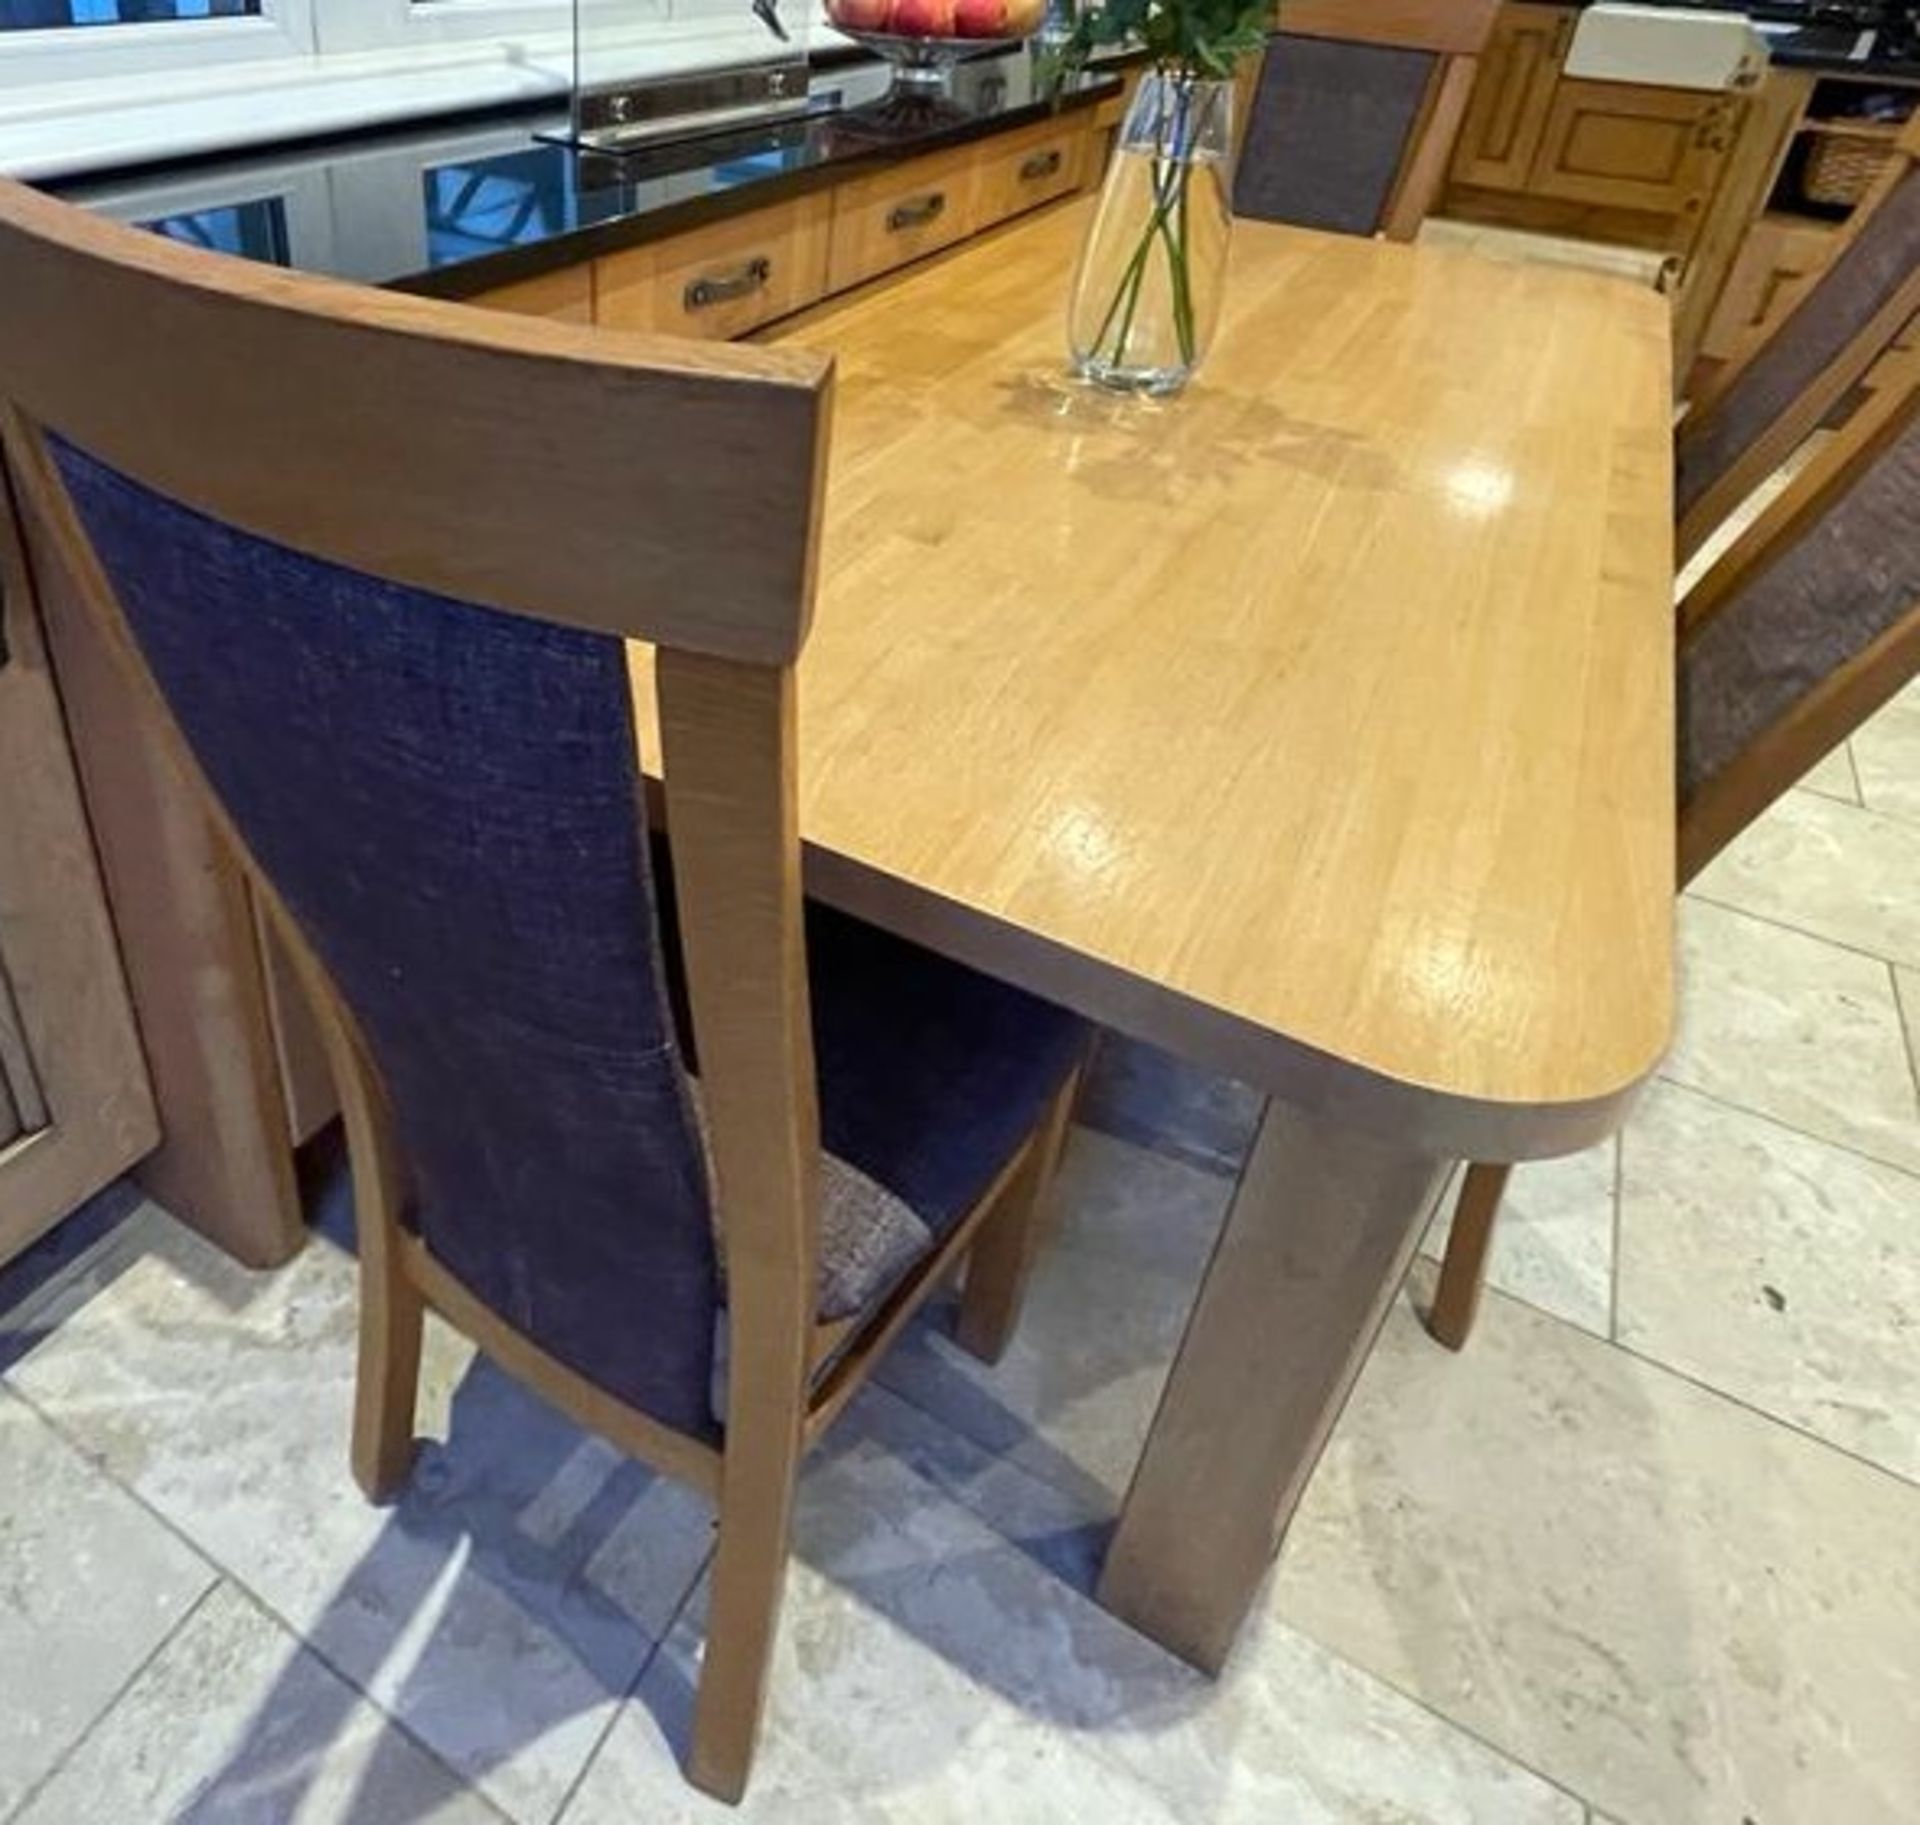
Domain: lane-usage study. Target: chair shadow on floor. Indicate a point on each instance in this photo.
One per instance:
(518, 1591)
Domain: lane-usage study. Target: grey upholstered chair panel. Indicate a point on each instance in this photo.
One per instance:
(1853, 577)
(1329, 127)
(1833, 312)
(447, 799)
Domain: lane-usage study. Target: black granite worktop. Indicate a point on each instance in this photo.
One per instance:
(455, 208)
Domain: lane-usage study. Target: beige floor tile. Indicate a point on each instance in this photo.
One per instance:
(1796, 1028)
(1837, 871)
(1553, 1243)
(1906, 984)
(1834, 777)
(500, 1611)
(1776, 1268)
(1887, 756)
(234, 1723)
(1073, 1396)
(1671, 1605)
(930, 1671)
(90, 1585)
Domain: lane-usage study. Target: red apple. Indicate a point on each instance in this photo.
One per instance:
(860, 15)
(980, 18)
(922, 18)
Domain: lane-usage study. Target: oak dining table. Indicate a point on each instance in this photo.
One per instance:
(1315, 725)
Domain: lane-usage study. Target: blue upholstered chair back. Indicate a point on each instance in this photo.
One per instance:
(1842, 304)
(446, 798)
(1328, 129)
(1851, 579)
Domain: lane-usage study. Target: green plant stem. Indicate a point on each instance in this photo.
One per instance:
(1170, 225)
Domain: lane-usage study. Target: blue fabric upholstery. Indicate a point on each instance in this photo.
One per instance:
(1327, 131)
(446, 797)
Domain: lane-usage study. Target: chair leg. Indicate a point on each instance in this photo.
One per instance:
(1464, 1271)
(386, 1384)
(743, 1615)
(1000, 1262)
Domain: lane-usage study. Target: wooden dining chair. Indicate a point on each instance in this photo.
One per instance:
(1783, 381)
(376, 559)
(1353, 111)
(1799, 633)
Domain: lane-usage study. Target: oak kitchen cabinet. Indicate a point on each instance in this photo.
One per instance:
(1677, 173)
(76, 1108)
(1533, 135)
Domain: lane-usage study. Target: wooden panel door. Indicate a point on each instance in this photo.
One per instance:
(1512, 95)
(75, 1106)
(1777, 262)
(1626, 147)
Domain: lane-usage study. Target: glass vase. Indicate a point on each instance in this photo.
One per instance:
(1146, 298)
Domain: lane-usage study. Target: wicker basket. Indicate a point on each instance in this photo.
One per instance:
(1841, 169)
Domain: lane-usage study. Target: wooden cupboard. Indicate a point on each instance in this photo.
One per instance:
(1624, 147)
(76, 1108)
(1507, 112)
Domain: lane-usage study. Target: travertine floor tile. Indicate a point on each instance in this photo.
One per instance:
(1666, 1602)
(1796, 1028)
(1837, 871)
(90, 1584)
(1776, 1268)
(500, 1611)
(1887, 757)
(1553, 1241)
(1834, 777)
(930, 1671)
(234, 1723)
(1073, 1396)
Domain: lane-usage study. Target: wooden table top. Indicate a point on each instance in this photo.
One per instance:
(1316, 724)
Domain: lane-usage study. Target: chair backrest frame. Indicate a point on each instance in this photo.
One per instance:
(1780, 753)
(635, 486)
(1827, 388)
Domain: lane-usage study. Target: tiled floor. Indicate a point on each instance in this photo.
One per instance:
(1648, 1553)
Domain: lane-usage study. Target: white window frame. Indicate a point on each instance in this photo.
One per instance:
(77, 99)
(282, 29)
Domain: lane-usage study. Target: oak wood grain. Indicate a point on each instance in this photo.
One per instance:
(1318, 724)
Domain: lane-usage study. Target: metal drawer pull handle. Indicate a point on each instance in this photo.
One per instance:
(702, 292)
(918, 213)
(1042, 164)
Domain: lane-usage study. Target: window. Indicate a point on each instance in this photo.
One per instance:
(52, 15)
(76, 88)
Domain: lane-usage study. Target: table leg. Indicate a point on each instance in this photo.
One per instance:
(1319, 1236)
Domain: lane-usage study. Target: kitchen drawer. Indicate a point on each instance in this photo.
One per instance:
(565, 296)
(1030, 168)
(721, 281)
(884, 221)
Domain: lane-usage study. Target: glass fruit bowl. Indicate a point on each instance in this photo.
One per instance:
(924, 39)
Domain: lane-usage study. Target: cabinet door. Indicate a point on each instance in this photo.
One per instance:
(75, 1107)
(1625, 147)
(1512, 95)
(1776, 262)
